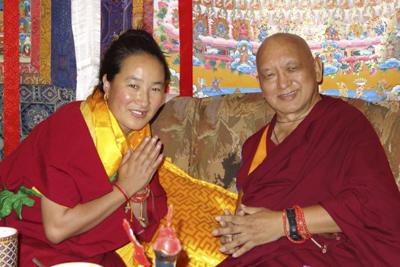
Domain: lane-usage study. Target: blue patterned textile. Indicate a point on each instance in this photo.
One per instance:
(37, 103)
(116, 17)
(63, 64)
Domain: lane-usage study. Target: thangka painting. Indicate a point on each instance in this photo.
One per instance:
(358, 42)
(34, 41)
(25, 31)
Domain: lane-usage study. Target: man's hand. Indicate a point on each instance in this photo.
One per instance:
(242, 232)
(225, 239)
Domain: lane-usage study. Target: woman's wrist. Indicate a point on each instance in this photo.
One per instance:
(140, 212)
(122, 191)
(122, 184)
(141, 196)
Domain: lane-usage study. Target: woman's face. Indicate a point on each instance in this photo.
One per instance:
(136, 92)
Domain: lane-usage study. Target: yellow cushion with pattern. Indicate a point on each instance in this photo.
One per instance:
(196, 204)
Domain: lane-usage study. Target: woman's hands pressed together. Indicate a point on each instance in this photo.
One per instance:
(135, 172)
(138, 166)
(250, 227)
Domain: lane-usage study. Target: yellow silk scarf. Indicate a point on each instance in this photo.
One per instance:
(261, 152)
(111, 143)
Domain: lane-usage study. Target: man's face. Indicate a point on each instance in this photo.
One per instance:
(288, 76)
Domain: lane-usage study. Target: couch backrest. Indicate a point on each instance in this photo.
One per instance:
(204, 136)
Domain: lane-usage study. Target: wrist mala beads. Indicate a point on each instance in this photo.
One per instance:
(297, 231)
(139, 197)
(128, 204)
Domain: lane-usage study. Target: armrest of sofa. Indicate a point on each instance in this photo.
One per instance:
(204, 136)
(173, 124)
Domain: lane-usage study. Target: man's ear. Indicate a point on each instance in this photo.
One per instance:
(258, 79)
(319, 68)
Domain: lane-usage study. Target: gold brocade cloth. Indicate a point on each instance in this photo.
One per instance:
(196, 204)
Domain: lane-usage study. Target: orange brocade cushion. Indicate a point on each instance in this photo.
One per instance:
(196, 203)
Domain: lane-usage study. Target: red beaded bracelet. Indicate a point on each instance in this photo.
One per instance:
(122, 191)
(301, 223)
(140, 197)
(285, 230)
(128, 204)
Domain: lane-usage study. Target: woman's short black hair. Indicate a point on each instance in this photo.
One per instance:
(129, 43)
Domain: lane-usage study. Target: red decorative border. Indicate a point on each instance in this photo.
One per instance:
(11, 77)
(35, 56)
(186, 48)
(148, 13)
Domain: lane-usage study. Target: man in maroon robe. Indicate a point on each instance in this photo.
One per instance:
(321, 154)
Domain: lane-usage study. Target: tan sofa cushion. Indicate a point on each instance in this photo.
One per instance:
(204, 136)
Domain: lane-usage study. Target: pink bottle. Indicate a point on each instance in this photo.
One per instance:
(167, 246)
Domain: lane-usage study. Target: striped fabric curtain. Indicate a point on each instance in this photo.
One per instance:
(51, 55)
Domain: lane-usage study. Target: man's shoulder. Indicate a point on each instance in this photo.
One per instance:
(347, 117)
(341, 108)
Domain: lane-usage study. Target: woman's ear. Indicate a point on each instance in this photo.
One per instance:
(106, 84)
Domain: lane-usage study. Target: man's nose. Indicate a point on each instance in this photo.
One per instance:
(283, 80)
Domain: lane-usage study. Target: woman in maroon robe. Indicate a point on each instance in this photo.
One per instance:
(323, 158)
(92, 164)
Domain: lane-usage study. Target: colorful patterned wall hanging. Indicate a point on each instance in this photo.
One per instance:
(166, 32)
(47, 58)
(63, 66)
(38, 57)
(40, 101)
(116, 17)
(45, 42)
(37, 102)
(358, 41)
(137, 14)
(142, 15)
(148, 5)
(34, 41)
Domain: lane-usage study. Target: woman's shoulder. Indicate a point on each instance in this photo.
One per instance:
(67, 112)
(65, 117)
(65, 128)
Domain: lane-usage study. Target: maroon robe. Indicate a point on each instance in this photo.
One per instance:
(60, 159)
(333, 158)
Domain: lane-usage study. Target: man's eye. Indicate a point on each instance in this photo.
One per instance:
(268, 75)
(156, 89)
(292, 69)
(134, 86)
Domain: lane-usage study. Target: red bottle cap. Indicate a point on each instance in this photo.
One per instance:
(167, 241)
